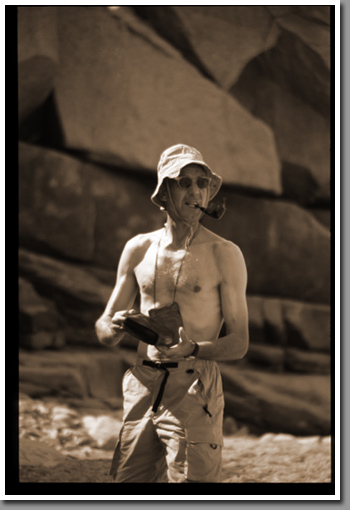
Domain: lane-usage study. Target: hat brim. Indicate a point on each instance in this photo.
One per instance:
(171, 173)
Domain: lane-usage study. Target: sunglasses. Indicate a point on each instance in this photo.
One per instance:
(186, 182)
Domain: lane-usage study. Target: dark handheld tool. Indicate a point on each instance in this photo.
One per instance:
(140, 331)
(162, 323)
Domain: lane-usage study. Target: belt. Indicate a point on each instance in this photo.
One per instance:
(189, 365)
(183, 364)
(160, 366)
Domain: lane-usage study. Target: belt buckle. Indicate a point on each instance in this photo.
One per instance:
(158, 365)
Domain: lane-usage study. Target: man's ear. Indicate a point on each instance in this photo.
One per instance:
(163, 194)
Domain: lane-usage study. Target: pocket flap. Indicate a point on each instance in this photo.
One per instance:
(205, 435)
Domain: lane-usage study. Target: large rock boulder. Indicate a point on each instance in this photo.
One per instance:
(287, 251)
(315, 13)
(69, 280)
(55, 207)
(308, 326)
(54, 380)
(77, 294)
(302, 135)
(323, 215)
(309, 23)
(289, 403)
(286, 359)
(220, 40)
(289, 323)
(37, 57)
(79, 210)
(300, 61)
(297, 360)
(94, 374)
(35, 312)
(40, 323)
(107, 111)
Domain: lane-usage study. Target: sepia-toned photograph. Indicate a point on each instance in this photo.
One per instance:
(175, 263)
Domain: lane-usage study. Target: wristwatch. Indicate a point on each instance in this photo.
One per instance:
(195, 350)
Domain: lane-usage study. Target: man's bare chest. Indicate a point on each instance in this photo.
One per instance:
(166, 271)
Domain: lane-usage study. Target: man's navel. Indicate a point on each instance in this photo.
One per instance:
(197, 288)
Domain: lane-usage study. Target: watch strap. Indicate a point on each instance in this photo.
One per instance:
(195, 350)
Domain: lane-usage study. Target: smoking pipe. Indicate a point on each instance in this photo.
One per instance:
(215, 209)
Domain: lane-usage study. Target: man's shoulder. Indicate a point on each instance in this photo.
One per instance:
(137, 246)
(219, 242)
(141, 241)
(225, 251)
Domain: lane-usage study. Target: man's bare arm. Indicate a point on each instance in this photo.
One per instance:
(122, 297)
(234, 344)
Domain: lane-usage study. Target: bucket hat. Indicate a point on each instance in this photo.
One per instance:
(171, 162)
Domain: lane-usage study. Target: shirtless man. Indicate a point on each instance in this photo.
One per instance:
(173, 398)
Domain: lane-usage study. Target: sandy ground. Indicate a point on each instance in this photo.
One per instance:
(269, 459)
(62, 445)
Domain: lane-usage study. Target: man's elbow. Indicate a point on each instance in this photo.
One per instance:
(99, 329)
(243, 347)
(244, 351)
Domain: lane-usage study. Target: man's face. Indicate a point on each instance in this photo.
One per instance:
(184, 199)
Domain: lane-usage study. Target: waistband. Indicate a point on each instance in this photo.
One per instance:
(170, 365)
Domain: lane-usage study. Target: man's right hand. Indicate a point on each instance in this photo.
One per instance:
(108, 331)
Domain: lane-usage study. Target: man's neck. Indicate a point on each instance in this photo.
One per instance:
(178, 234)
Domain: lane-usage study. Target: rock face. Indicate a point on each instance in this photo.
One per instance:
(259, 399)
(303, 142)
(281, 359)
(55, 209)
(41, 325)
(218, 40)
(290, 63)
(84, 212)
(36, 313)
(37, 57)
(172, 98)
(310, 25)
(74, 373)
(79, 296)
(65, 381)
(289, 323)
(102, 92)
(80, 210)
(287, 251)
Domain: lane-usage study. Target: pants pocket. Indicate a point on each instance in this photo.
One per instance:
(203, 462)
(208, 393)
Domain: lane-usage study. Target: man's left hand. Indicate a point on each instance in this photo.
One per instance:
(182, 349)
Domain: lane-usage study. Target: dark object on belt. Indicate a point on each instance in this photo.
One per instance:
(160, 366)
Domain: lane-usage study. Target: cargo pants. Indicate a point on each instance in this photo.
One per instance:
(172, 425)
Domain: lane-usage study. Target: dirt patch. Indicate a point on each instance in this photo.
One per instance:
(70, 471)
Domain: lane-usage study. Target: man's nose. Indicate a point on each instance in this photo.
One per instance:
(194, 189)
